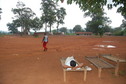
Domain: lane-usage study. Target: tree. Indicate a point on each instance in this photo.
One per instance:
(63, 29)
(98, 23)
(77, 28)
(92, 5)
(0, 12)
(123, 26)
(48, 8)
(118, 31)
(95, 23)
(23, 15)
(54, 31)
(70, 30)
(60, 14)
(12, 27)
(51, 14)
(107, 28)
(36, 24)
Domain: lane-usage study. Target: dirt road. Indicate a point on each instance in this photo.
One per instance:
(23, 61)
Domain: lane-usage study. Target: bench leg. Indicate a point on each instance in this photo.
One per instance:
(85, 74)
(117, 68)
(99, 72)
(64, 74)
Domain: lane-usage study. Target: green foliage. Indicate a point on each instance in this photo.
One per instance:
(77, 28)
(63, 29)
(101, 32)
(122, 72)
(70, 34)
(93, 5)
(107, 28)
(12, 27)
(23, 17)
(118, 31)
(98, 19)
(70, 31)
(36, 35)
(60, 14)
(36, 24)
(0, 12)
(123, 25)
(54, 31)
(4, 33)
(124, 32)
(52, 14)
(48, 8)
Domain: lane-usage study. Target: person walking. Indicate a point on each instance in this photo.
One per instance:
(45, 41)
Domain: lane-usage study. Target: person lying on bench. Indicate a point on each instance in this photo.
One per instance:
(70, 63)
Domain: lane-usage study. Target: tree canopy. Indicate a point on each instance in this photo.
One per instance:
(77, 28)
(0, 12)
(48, 8)
(93, 5)
(63, 29)
(52, 14)
(60, 14)
(98, 23)
(23, 17)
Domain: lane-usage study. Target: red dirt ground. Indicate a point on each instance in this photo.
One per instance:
(23, 61)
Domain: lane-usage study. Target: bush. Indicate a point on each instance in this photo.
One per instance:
(120, 33)
(3, 33)
(36, 35)
(70, 34)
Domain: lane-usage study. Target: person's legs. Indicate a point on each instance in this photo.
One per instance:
(44, 45)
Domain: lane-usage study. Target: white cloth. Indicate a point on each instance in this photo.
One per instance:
(45, 38)
(68, 60)
(88, 68)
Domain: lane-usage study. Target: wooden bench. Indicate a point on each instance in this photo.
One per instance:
(114, 59)
(100, 64)
(66, 70)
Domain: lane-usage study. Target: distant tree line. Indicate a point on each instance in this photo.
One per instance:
(26, 19)
(117, 31)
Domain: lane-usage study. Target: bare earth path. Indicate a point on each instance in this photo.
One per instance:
(23, 61)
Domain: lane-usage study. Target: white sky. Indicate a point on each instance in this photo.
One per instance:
(74, 14)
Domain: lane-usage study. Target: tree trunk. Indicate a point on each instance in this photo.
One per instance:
(57, 27)
(45, 27)
(50, 28)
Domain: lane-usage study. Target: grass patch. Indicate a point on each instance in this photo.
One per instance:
(1, 35)
(36, 36)
(122, 72)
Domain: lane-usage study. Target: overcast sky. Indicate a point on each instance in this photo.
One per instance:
(74, 14)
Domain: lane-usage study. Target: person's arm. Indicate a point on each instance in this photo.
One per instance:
(79, 66)
(66, 66)
(43, 39)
